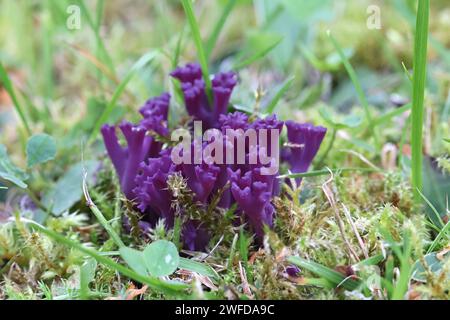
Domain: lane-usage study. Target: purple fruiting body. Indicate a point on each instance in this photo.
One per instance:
(196, 98)
(144, 167)
(304, 140)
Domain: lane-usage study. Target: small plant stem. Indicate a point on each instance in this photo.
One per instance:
(117, 214)
(445, 230)
(99, 215)
(243, 252)
(329, 147)
(232, 252)
(177, 231)
(155, 283)
(402, 284)
(323, 172)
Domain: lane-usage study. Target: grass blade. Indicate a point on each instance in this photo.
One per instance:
(232, 252)
(95, 26)
(328, 149)
(419, 79)
(199, 267)
(245, 62)
(329, 274)
(146, 58)
(7, 84)
(371, 261)
(99, 14)
(389, 115)
(176, 56)
(243, 253)
(187, 6)
(273, 103)
(402, 283)
(171, 288)
(98, 214)
(98, 23)
(211, 43)
(101, 67)
(323, 172)
(47, 55)
(437, 221)
(444, 232)
(356, 83)
(409, 15)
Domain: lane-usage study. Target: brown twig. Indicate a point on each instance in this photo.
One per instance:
(355, 231)
(329, 194)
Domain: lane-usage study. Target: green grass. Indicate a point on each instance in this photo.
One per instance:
(419, 85)
(6, 82)
(278, 95)
(100, 217)
(242, 63)
(103, 54)
(172, 288)
(48, 55)
(359, 90)
(334, 277)
(444, 232)
(315, 173)
(212, 40)
(389, 115)
(195, 31)
(139, 64)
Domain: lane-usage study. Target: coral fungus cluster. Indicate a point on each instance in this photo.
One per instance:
(144, 166)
